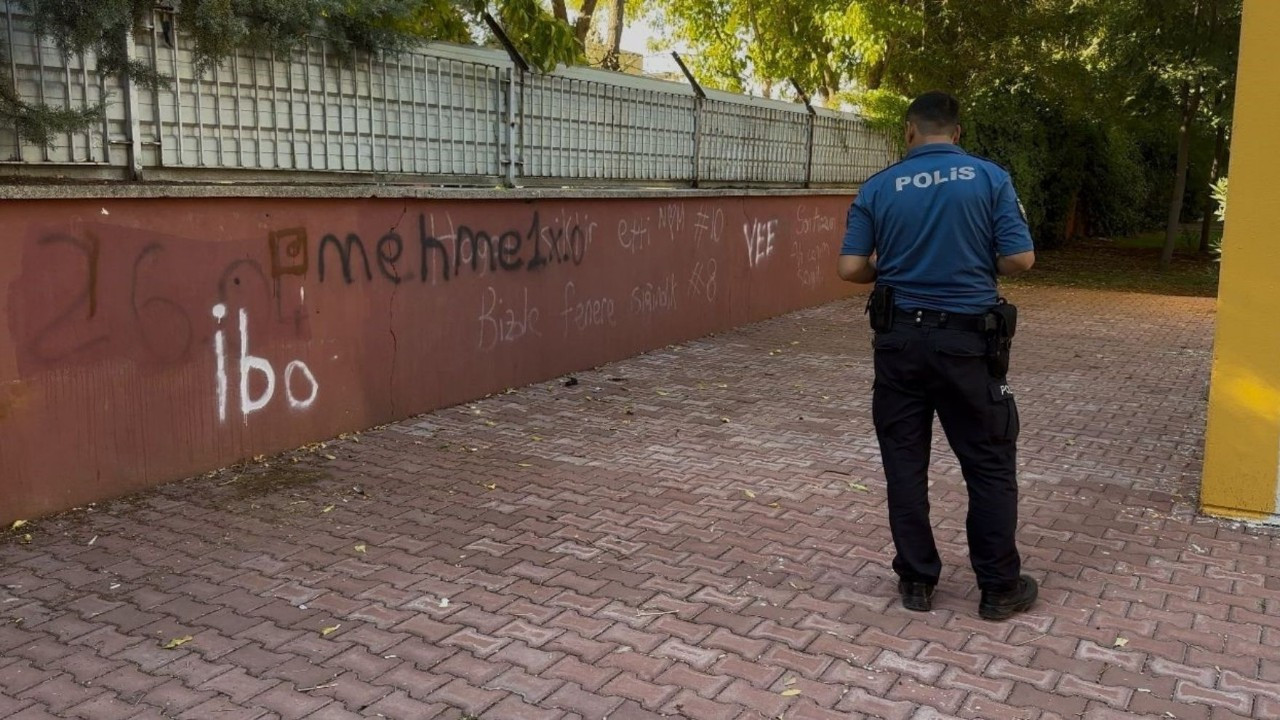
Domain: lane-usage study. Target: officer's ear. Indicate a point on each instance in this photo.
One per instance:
(910, 133)
(955, 134)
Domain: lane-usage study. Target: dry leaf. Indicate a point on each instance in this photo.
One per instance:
(725, 420)
(774, 505)
(857, 486)
(17, 524)
(535, 438)
(749, 494)
(490, 423)
(177, 642)
(491, 486)
(790, 682)
(26, 539)
(326, 632)
(1121, 642)
(791, 692)
(663, 393)
(328, 508)
(361, 548)
(331, 457)
(523, 465)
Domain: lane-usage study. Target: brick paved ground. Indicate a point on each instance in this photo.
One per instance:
(694, 533)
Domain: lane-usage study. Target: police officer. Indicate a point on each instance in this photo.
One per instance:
(937, 228)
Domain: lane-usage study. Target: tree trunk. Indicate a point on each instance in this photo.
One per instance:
(1215, 171)
(561, 12)
(582, 25)
(1190, 104)
(613, 35)
(1072, 228)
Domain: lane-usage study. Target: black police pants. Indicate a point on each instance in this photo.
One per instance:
(920, 371)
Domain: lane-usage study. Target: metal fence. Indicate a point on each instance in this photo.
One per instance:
(445, 114)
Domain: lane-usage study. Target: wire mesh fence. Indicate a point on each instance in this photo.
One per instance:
(445, 114)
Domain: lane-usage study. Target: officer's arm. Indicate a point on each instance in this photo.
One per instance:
(859, 269)
(857, 254)
(1016, 264)
(1013, 245)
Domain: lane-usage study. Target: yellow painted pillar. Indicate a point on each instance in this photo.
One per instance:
(1242, 453)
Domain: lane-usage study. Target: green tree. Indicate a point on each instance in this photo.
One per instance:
(740, 43)
(1180, 54)
(1081, 99)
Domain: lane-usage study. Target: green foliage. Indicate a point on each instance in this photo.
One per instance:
(99, 26)
(219, 28)
(1219, 194)
(542, 40)
(39, 124)
(1080, 99)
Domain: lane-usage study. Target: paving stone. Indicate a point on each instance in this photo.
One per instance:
(619, 569)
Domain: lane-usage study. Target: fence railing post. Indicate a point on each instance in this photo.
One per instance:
(133, 121)
(515, 77)
(699, 99)
(811, 128)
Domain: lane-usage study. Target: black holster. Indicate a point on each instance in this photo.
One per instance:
(880, 308)
(1000, 325)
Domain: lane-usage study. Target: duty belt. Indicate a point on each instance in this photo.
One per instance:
(938, 319)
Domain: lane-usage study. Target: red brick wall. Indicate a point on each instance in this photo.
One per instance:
(144, 340)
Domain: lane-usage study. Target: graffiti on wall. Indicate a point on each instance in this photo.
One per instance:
(247, 308)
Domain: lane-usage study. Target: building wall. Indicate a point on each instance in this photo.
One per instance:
(145, 339)
(1243, 444)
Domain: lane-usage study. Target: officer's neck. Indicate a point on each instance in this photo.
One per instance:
(922, 140)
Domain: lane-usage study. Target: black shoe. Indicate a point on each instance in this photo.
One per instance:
(1004, 605)
(916, 596)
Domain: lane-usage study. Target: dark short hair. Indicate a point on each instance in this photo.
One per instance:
(935, 112)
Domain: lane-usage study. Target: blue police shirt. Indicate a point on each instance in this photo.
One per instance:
(937, 221)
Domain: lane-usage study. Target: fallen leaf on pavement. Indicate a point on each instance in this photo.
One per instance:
(326, 632)
(177, 642)
(328, 508)
(17, 524)
(1121, 642)
(749, 494)
(361, 548)
(790, 693)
